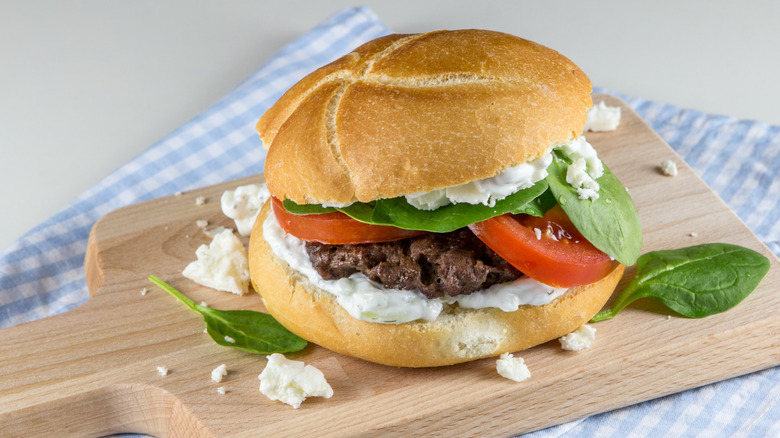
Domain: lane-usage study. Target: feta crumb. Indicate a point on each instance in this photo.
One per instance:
(669, 168)
(201, 223)
(668, 317)
(177, 194)
(144, 291)
(602, 118)
(203, 304)
(163, 371)
(229, 340)
(218, 373)
(221, 265)
(577, 176)
(221, 390)
(578, 339)
(291, 382)
(512, 368)
(214, 231)
(200, 200)
(243, 204)
(206, 330)
(585, 169)
(538, 233)
(694, 234)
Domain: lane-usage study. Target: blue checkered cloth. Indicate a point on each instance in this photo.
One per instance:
(41, 274)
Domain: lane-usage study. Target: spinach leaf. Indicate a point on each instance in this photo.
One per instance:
(534, 200)
(399, 213)
(294, 208)
(610, 222)
(697, 281)
(249, 331)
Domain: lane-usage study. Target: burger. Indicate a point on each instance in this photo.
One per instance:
(433, 202)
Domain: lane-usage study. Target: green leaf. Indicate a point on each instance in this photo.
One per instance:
(252, 332)
(399, 213)
(294, 208)
(610, 223)
(697, 281)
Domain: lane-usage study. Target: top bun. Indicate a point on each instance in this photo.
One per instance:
(405, 114)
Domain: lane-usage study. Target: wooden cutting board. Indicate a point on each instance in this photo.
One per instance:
(92, 370)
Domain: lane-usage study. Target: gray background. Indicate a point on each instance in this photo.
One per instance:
(85, 86)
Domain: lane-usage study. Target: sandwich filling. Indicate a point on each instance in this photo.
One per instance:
(368, 300)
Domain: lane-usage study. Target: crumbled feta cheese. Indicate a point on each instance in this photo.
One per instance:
(694, 234)
(577, 176)
(512, 368)
(291, 382)
(200, 200)
(218, 373)
(163, 371)
(669, 168)
(203, 304)
(602, 118)
(221, 265)
(578, 339)
(214, 231)
(538, 233)
(221, 390)
(243, 204)
(229, 340)
(144, 291)
(201, 223)
(586, 167)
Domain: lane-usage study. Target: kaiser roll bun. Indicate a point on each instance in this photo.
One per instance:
(405, 114)
(457, 335)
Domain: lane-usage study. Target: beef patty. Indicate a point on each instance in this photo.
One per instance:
(437, 264)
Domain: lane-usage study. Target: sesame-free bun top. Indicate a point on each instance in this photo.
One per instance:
(405, 114)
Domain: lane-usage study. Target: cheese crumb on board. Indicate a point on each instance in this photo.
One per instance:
(144, 291)
(291, 382)
(163, 371)
(579, 339)
(669, 168)
(602, 118)
(243, 204)
(218, 373)
(512, 368)
(221, 265)
(221, 390)
(200, 200)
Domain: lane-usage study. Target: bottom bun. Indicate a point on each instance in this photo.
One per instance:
(456, 335)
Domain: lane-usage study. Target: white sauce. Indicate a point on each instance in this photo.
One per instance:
(581, 175)
(370, 301)
(486, 191)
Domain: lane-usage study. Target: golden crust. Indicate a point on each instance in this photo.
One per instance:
(457, 335)
(410, 113)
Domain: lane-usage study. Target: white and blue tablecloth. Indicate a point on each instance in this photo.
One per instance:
(41, 274)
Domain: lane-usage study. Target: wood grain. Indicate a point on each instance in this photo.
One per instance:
(92, 370)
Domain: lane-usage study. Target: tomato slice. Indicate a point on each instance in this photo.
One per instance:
(336, 228)
(556, 254)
